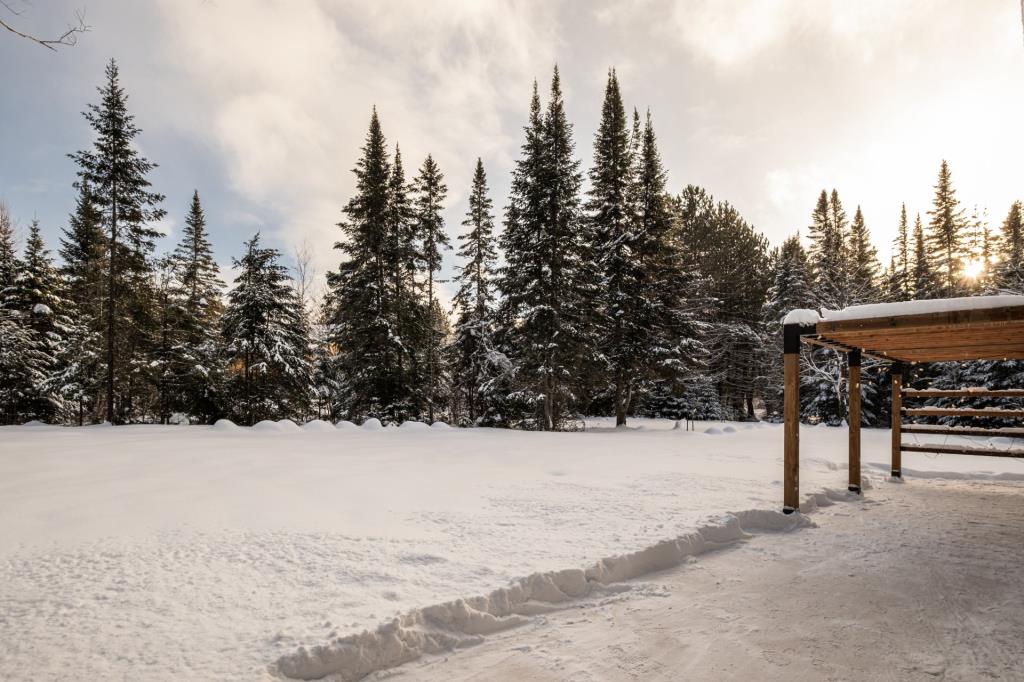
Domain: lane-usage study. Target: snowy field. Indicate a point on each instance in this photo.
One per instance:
(154, 553)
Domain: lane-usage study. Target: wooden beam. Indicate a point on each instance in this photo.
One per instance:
(963, 393)
(955, 318)
(897, 419)
(962, 412)
(853, 419)
(940, 430)
(964, 450)
(791, 405)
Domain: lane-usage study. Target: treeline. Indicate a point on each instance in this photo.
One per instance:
(619, 299)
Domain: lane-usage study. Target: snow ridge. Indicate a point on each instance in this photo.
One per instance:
(464, 622)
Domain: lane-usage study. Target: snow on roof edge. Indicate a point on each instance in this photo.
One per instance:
(801, 316)
(938, 305)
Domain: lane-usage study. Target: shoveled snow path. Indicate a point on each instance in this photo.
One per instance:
(921, 581)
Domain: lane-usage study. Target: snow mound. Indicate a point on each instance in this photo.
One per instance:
(444, 627)
(272, 426)
(713, 431)
(35, 423)
(372, 424)
(318, 425)
(802, 316)
(728, 429)
(225, 425)
(440, 425)
(413, 425)
(345, 424)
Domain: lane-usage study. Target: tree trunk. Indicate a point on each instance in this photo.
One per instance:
(620, 401)
(110, 307)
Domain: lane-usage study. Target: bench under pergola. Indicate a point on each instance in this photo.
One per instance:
(907, 333)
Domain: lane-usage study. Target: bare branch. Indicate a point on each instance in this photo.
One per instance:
(67, 39)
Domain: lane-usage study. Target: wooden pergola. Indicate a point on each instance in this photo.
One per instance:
(977, 328)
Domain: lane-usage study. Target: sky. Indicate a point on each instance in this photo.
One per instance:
(262, 105)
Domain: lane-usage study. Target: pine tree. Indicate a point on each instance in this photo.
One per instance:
(116, 177)
(473, 348)
(431, 192)
(945, 236)
(790, 290)
(734, 261)
(265, 346)
(1009, 274)
(9, 263)
(863, 263)
(198, 292)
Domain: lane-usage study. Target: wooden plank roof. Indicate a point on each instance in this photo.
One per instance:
(974, 331)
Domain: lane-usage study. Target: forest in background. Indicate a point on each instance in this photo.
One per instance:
(603, 293)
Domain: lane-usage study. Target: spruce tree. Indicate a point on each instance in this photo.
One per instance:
(1009, 275)
(900, 272)
(473, 348)
(264, 342)
(116, 175)
(81, 365)
(626, 320)
(198, 289)
(37, 298)
(945, 234)
(924, 284)
(544, 317)
(369, 295)
(827, 255)
(431, 193)
(863, 263)
(22, 364)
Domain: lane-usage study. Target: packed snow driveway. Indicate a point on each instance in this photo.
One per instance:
(152, 553)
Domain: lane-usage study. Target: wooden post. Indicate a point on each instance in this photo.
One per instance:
(853, 418)
(791, 404)
(897, 418)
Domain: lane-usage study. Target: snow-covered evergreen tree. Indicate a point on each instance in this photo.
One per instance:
(371, 300)
(196, 296)
(36, 296)
(945, 235)
(473, 352)
(1009, 273)
(266, 349)
(546, 281)
(899, 272)
(924, 282)
(428, 206)
(116, 176)
(790, 290)
(864, 270)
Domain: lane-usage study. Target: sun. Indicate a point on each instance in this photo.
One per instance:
(973, 269)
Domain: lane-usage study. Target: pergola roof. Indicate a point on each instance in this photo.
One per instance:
(973, 328)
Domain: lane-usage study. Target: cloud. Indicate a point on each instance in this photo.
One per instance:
(287, 89)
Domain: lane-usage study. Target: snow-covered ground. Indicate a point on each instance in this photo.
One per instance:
(152, 553)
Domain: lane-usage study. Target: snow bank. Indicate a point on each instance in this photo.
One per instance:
(413, 425)
(440, 425)
(225, 425)
(345, 424)
(281, 426)
(713, 431)
(728, 429)
(464, 622)
(939, 305)
(802, 316)
(372, 424)
(317, 425)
